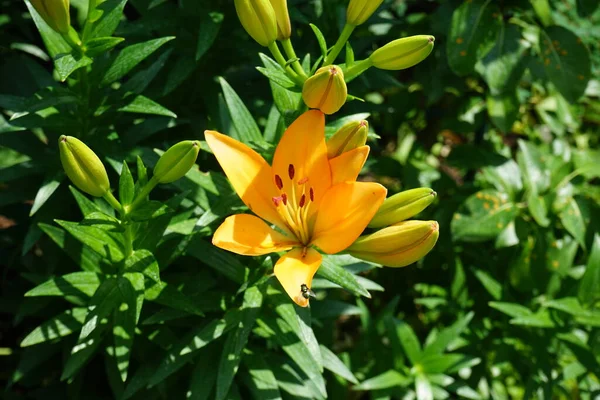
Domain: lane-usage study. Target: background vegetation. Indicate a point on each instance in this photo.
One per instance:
(502, 121)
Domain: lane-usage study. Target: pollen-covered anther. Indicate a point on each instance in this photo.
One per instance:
(302, 181)
(302, 201)
(312, 194)
(278, 182)
(291, 171)
(284, 198)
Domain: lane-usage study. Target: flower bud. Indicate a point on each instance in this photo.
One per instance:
(55, 13)
(258, 19)
(326, 90)
(348, 137)
(403, 53)
(177, 161)
(284, 28)
(360, 10)
(83, 167)
(402, 206)
(398, 245)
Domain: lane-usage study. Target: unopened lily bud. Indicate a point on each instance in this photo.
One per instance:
(403, 53)
(177, 161)
(348, 137)
(55, 13)
(83, 167)
(258, 19)
(402, 206)
(397, 245)
(326, 90)
(284, 27)
(360, 10)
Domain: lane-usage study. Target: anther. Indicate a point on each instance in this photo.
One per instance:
(278, 182)
(312, 194)
(302, 201)
(291, 171)
(284, 198)
(302, 181)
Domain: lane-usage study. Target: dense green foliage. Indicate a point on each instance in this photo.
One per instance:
(501, 120)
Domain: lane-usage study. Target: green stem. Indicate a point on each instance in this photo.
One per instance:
(88, 25)
(114, 203)
(281, 61)
(139, 199)
(357, 68)
(339, 45)
(289, 51)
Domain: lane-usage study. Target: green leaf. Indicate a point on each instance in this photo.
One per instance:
(222, 261)
(447, 335)
(388, 379)
(106, 18)
(245, 125)
(204, 375)
(261, 381)
(440, 363)
(82, 255)
(335, 365)
(493, 287)
(56, 327)
(275, 72)
(473, 31)
(85, 205)
(99, 240)
(541, 319)
(573, 222)
(588, 287)
(82, 284)
(66, 64)
(570, 305)
(332, 270)
(126, 315)
(538, 209)
(97, 46)
(101, 305)
(511, 309)
(320, 40)
(503, 110)
(501, 68)
(566, 61)
(532, 161)
(506, 177)
(484, 215)
(131, 56)
(48, 188)
(150, 210)
(184, 351)
(210, 24)
(143, 105)
(402, 336)
(237, 340)
(126, 186)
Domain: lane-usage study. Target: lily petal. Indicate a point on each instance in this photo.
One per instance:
(347, 166)
(345, 212)
(248, 235)
(249, 174)
(301, 156)
(295, 269)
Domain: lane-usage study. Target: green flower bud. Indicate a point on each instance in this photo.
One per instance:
(403, 53)
(83, 167)
(398, 245)
(284, 27)
(360, 10)
(326, 90)
(402, 206)
(258, 19)
(348, 137)
(177, 161)
(55, 13)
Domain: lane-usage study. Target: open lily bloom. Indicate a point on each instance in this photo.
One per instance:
(306, 200)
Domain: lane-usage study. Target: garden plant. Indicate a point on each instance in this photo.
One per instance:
(294, 199)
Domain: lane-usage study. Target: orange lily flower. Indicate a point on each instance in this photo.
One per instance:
(312, 201)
